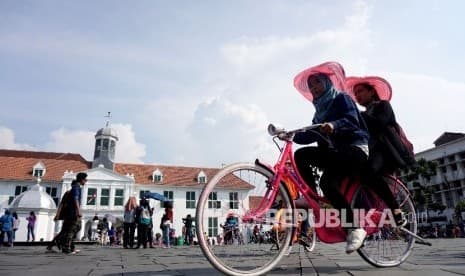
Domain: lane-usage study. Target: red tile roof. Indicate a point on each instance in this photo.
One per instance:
(177, 175)
(254, 202)
(17, 165)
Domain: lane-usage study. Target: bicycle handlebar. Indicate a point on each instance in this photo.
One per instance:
(276, 131)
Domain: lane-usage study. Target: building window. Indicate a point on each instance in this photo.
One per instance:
(437, 197)
(213, 202)
(38, 170)
(52, 191)
(104, 197)
(142, 193)
(448, 197)
(91, 196)
(212, 226)
(112, 149)
(234, 200)
(119, 197)
(443, 169)
(98, 148)
(38, 173)
(190, 200)
(157, 176)
(453, 166)
(462, 155)
(106, 144)
(202, 178)
(459, 193)
(168, 195)
(18, 190)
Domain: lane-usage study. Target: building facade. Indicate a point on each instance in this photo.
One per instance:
(110, 185)
(448, 185)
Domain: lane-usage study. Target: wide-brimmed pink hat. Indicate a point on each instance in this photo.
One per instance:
(382, 86)
(332, 69)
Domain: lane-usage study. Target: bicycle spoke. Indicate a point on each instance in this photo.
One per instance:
(239, 251)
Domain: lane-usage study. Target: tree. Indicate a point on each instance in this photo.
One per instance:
(422, 195)
(459, 208)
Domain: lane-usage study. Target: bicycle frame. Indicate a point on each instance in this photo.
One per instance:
(282, 172)
(284, 180)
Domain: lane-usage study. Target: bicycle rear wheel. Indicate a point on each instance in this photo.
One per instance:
(242, 255)
(388, 246)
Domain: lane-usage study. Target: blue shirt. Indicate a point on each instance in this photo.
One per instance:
(7, 222)
(349, 127)
(76, 191)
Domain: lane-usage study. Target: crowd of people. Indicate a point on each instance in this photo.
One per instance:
(9, 224)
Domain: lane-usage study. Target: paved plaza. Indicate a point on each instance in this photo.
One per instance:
(446, 257)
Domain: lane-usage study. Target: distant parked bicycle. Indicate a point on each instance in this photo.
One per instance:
(385, 246)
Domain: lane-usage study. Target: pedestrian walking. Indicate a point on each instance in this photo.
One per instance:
(72, 220)
(129, 222)
(104, 227)
(166, 223)
(188, 229)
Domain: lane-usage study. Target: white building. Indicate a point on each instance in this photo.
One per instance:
(449, 181)
(109, 185)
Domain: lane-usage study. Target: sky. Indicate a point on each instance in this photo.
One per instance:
(195, 83)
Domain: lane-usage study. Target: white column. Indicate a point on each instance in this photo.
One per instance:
(84, 197)
(111, 199)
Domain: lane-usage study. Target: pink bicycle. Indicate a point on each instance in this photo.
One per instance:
(266, 199)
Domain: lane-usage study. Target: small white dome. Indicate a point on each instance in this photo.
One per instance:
(36, 197)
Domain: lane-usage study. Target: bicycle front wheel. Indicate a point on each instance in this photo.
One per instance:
(255, 204)
(388, 246)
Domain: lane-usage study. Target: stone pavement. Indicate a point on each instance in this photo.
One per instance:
(446, 257)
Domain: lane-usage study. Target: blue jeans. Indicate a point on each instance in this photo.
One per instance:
(166, 235)
(9, 235)
(30, 232)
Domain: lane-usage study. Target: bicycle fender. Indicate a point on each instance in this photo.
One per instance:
(265, 166)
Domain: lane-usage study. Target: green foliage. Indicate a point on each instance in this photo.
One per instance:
(436, 206)
(423, 168)
(426, 170)
(460, 207)
(419, 198)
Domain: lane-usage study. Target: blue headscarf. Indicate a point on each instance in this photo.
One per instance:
(323, 103)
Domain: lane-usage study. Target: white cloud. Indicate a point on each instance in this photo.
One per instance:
(239, 133)
(77, 46)
(224, 120)
(73, 141)
(207, 132)
(345, 43)
(427, 106)
(128, 150)
(7, 140)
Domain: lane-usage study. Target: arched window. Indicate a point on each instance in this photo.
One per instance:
(112, 149)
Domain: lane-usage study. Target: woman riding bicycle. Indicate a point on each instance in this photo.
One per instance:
(387, 152)
(344, 127)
